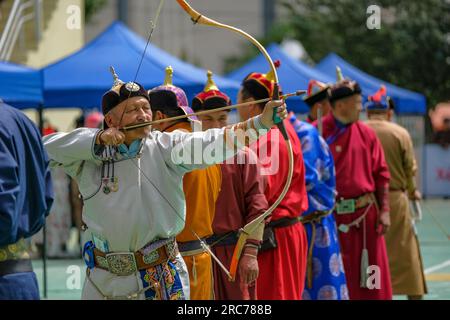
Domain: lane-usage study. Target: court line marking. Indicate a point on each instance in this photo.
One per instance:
(438, 277)
(437, 267)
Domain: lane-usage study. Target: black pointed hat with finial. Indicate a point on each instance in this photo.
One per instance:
(121, 91)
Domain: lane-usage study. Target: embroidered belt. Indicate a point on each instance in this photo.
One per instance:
(15, 251)
(349, 206)
(127, 263)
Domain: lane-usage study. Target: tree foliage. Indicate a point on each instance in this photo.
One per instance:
(411, 49)
(91, 7)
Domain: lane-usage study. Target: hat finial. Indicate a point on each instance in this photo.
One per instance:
(339, 75)
(210, 84)
(379, 95)
(168, 80)
(117, 81)
(270, 75)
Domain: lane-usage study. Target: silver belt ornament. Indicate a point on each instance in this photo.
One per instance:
(346, 227)
(346, 206)
(124, 263)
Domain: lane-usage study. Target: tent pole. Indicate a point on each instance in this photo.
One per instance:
(44, 230)
(44, 261)
(268, 15)
(122, 11)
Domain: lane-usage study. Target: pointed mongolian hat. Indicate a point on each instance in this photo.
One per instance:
(119, 92)
(168, 96)
(260, 85)
(211, 97)
(343, 88)
(317, 91)
(378, 101)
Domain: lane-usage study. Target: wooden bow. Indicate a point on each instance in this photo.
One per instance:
(252, 226)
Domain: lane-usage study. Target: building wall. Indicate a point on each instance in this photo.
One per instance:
(204, 46)
(58, 40)
(175, 33)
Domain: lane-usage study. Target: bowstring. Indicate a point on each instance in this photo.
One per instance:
(153, 23)
(204, 245)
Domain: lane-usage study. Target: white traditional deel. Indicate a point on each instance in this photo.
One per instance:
(142, 211)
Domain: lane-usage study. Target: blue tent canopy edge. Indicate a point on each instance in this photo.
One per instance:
(293, 75)
(81, 79)
(20, 86)
(406, 101)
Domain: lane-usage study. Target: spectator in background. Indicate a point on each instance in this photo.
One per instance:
(59, 222)
(92, 120)
(75, 201)
(64, 225)
(48, 128)
(440, 121)
(79, 122)
(442, 137)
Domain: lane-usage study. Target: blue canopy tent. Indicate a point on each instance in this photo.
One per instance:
(20, 86)
(406, 102)
(81, 79)
(294, 75)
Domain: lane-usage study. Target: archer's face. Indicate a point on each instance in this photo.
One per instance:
(217, 119)
(348, 109)
(244, 112)
(131, 111)
(324, 105)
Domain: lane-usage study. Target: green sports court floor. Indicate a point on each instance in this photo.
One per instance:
(63, 275)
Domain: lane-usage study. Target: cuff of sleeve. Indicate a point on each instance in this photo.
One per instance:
(102, 152)
(258, 123)
(253, 242)
(97, 149)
